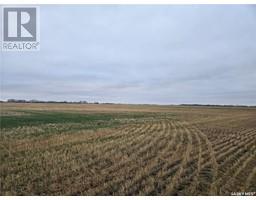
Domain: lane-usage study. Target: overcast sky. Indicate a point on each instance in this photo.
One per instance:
(138, 54)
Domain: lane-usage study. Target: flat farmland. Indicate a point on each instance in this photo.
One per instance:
(105, 149)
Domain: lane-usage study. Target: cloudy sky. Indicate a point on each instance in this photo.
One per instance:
(138, 54)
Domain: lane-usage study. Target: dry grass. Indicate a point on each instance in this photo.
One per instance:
(133, 150)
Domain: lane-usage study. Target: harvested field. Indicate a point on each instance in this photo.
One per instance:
(71, 149)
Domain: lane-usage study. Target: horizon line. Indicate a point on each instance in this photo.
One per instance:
(98, 102)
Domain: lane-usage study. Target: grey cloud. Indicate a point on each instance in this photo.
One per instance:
(139, 54)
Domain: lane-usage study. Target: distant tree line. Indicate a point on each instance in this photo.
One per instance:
(40, 101)
(216, 105)
(86, 102)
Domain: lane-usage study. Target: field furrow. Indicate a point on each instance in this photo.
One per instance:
(170, 150)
